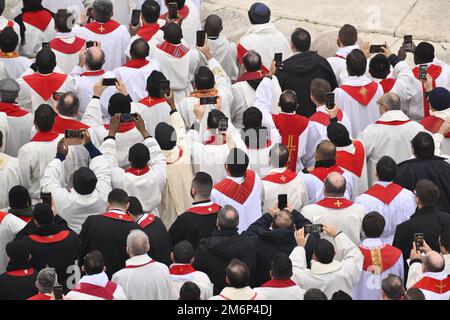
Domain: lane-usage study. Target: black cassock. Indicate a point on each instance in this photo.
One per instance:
(160, 244)
(18, 282)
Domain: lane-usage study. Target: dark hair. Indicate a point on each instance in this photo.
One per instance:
(139, 49)
(379, 66)
(154, 84)
(341, 295)
(237, 162)
(237, 273)
(213, 25)
(103, 10)
(61, 18)
(423, 145)
(2, 6)
(180, 3)
(319, 90)
(424, 53)
(118, 196)
(281, 266)
(252, 61)
(414, 294)
(135, 208)
(44, 118)
(373, 225)
(45, 61)
(68, 104)
(314, 294)
(94, 63)
(214, 117)
(301, 39)
(94, 263)
(43, 214)
(19, 197)
(183, 252)
(283, 220)
(18, 250)
(204, 79)
(386, 169)
(172, 33)
(279, 155)
(150, 11)
(8, 40)
(327, 150)
(288, 101)
(427, 193)
(119, 103)
(324, 251)
(203, 183)
(190, 291)
(444, 239)
(84, 181)
(348, 35)
(356, 63)
(336, 189)
(393, 287)
(139, 156)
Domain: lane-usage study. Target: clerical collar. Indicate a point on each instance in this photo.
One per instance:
(325, 163)
(200, 202)
(26, 212)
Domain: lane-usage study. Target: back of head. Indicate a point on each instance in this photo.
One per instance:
(392, 287)
(135, 208)
(414, 294)
(252, 61)
(338, 134)
(238, 274)
(43, 214)
(214, 117)
(324, 251)
(204, 79)
(95, 58)
(183, 252)
(119, 103)
(279, 156)
(379, 66)
(9, 90)
(19, 198)
(103, 10)
(386, 169)
(427, 193)
(84, 181)
(356, 63)
(283, 220)
(68, 104)
(373, 225)
(93, 263)
(439, 99)
(180, 3)
(348, 35)
(341, 295)
(319, 90)
(444, 240)
(335, 185)
(137, 243)
(252, 118)
(314, 294)
(173, 33)
(18, 251)
(301, 39)
(259, 13)
(228, 218)
(32, 4)
(326, 150)
(139, 156)
(213, 25)
(44, 118)
(2, 6)
(281, 267)
(166, 136)
(203, 184)
(154, 84)
(64, 20)
(8, 40)
(45, 61)
(237, 163)
(190, 291)
(288, 101)
(118, 197)
(46, 280)
(150, 11)
(139, 49)
(433, 262)
(391, 101)
(424, 53)
(423, 145)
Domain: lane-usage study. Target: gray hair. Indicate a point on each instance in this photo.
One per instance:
(228, 218)
(94, 61)
(68, 104)
(46, 280)
(137, 243)
(392, 101)
(335, 185)
(103, 10)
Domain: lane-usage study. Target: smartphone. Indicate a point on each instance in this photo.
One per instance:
(109, 82)
(45, 45)
(57, 95)
(136, 17)
(128, 117)
(423, 71)
(90, 43)
(329, 100)
(282, 201)
(223, 125)
(201, 38)
(418, 240)
(313, 228)
(73, 137)
(278, 60)
(46, 198)
(408, 43)
(173, 11)
(164, 88)
(208, 100)
(377, 48)
(58, 292)
(89, 14)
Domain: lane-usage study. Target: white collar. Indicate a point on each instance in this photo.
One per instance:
(64, 35)
(277, 170)
(435, 275)
(238, 180)
(344, 51)
(372, 243)
(383, 183)
(443, 114)
(246, 293)
(356, 81)
(322, 108)
(320, 268)
(348, 148)
(99, 279)
(261, 28)
(67, 118)
(394, 115)
(138, 260)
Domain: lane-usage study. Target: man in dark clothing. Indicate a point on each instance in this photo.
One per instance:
(18, 282)
(274, 233)
(52, 244)
(20, 203)
(426, 165)
(154, 228)
(215, 253)
(199, 221)
(108, 232)
(302, 68)
(427, 220)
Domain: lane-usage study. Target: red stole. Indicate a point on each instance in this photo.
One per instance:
(204, 210)
(102, 28)
(322, 173)
(281, 178)
(387, 84)
(434, 285)
(45, 85)
(385, 194)
(3, 215)
(21, 273)
(60, 236)
(352, 162)
(147, 31)
(67, 48)
(253, 75)
(335, 203)
(212, 140)
(380, 259)
(237, 192)
(290, 126)
(118, 216)
(393, 123)
(124, 127)
(434, 71)
(106, 293)
(183, 13)
(45, 136)
(40, 296)
(138, 172)
(324, 118)
(136, 63)
(39, 19)
(12, 110)
(181, 269)
(362, 94)
(131, 266)
(92, 73)
(180, 154)
(177, 51)
(241, 52)
(279, 284)
(150, 102)
(431, 123)
(147, 221)
(62, 124)
(9, 24)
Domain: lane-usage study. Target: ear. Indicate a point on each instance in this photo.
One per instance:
(227, 281)
(171, 257)
(192, 261)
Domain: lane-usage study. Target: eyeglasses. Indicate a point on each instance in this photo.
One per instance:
(383, 105)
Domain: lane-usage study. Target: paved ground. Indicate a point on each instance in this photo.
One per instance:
(378, 21)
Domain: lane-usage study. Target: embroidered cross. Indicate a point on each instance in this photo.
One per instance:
(363, 91)
(338, 203)
(149, 100)
(441, 286)
(283, 178)
(291, 146)
(101, 29)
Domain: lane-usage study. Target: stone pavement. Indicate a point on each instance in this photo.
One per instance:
(377, 21)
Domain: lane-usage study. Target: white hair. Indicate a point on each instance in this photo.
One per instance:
(137, 243)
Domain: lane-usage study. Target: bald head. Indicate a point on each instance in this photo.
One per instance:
(325, 150)
(335, 185)
(213, 25)
(390, 101)
(137, 243)
(433, 262)
(95, 58)
(139, 49)
(252, 61)
(227, 218)
(283, 220)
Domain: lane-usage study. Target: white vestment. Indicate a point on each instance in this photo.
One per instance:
(153, 111)
(442, 143)
(16, 66)
(10, 225)
(181, 273)
(67, 49)
(281, 290)
(95, 280)
(339, 62)
(34, 36)
(246, 293)
(433, 290)
(322, 122)
(225, 53)
(9, 177)
(16, 126)
(4, 22)
(155, 40)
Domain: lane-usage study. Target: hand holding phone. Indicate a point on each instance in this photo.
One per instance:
(173, 11)
(278, 60)
(313, 228)
(164, 88)
(201, 38)
(46, 198)
(135, 17)
(408, 43)
(423, 71)
(418, 240)
(73, 137)
(109, 82)
(208, 100)
(329, 100)
(377, 48)
(128, 117)
(282, 201)
(223, 125)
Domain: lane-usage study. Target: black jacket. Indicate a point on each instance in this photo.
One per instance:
(297, 74)
(160, 244)
(435, 169)
(269, 242)
(16, 283)
(215, 253)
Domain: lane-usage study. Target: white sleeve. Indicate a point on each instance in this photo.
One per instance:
(299, 266)
(414, 275)
(24, 167)
(101, 165)
(312, 140)
(93, 115)
(50, 182)
(178, 124)
(263, 95)
(405, 86)
(124, 44)
(13, 223)
(353, 259)
(157, 160)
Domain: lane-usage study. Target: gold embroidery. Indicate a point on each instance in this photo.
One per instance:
(363, 91)
(377, 261)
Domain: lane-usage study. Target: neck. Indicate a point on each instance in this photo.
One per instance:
(333, 195)
(117, 208)
(199, 199)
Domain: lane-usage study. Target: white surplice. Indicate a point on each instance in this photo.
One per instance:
(246, 293)
(417, 279)
(281, 290)
(10, 225)
(339, 62)
(99, 280)
(153, 111)
(67, 61)
(9, 177)
(322, 128)
(34, 37)
(16, 66)
(225, 53)
(16, 128)
(200, 278)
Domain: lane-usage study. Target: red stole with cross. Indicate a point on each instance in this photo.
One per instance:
(324, 118)
(379, 259)
(434, 285)
(150, 102)
(12, 110)
(352, 162)
(204, 210)
(102, 28)
(385, 194)
(335, 203)
(148, 220)
(362, 94)
(433, 124)
(237, 192)
(45, 85)
(281, 177)
(434, 71)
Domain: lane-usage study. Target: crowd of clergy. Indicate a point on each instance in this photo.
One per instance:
(198, 171)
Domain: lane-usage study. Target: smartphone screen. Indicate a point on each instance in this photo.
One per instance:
(278, 59)
(128, 117)
(58, 292)
(45, 45)
(418, 239)
(376, 48)
(313, 228)
(329, 100)
(136, 17)
(46, 198)
(73, 137)
(282, 201)
(90, 44)
(208, 100)
(408, 43)
(201, 37)
(423, 71)
(173, 11)
(164, 88)
(109, 82)
(223, 125)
